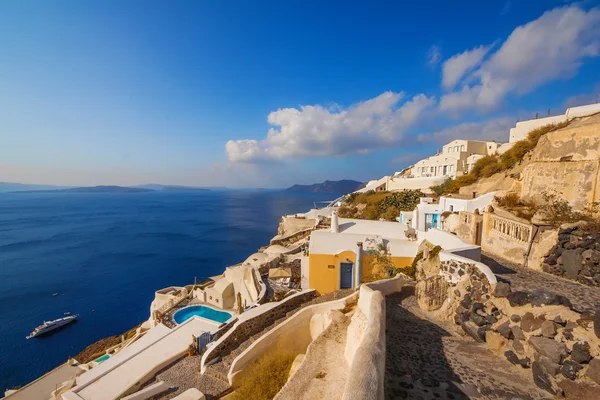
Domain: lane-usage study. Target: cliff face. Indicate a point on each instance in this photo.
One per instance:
(567, 161)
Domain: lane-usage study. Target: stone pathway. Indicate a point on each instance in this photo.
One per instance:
(584, 298)
(424, 360)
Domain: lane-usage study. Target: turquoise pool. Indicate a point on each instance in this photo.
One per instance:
(103, 358)
(205, 312)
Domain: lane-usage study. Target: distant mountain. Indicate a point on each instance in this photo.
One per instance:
(25, 187)
(337, 187)
(90, 189)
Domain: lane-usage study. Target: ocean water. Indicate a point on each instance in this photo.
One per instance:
(106, 254)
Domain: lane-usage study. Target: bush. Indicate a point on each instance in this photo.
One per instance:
(381, 204)
(442, 188)
(265, 377)
(509, 201)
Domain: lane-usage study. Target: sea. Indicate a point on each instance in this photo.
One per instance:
(105, 254)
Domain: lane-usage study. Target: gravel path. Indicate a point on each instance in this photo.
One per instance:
(583, 298)
(426, 360)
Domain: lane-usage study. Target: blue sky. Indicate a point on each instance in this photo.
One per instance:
(272, 93)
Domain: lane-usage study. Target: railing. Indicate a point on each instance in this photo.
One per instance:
(511, 229)
(172, 302)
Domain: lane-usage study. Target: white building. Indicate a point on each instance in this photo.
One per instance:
(522, 129)
(453, 160)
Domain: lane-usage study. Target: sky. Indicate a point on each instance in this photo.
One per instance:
(274, 93)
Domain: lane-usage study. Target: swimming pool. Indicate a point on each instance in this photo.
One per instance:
(103, 358)
(201, 311)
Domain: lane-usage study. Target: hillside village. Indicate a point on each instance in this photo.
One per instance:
(474, 273)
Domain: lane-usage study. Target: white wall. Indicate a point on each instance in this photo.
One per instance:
(423, 184)
(520, 131)
(467, 204)
(583, 111)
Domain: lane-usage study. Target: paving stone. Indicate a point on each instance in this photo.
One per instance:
(543, 375)
(579, 390)
(571, 263)
(541, 297)
(593, 371)
(555, 351)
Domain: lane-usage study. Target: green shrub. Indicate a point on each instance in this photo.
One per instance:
(491, 169)
(265, 377)
(509, 201)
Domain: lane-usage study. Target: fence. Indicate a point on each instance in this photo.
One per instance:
(511, 229)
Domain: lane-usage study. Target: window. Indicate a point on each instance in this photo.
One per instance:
(456, 149)
(462, 147)
(431, 170)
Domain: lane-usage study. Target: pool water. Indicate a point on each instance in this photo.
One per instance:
(103, 358)
(205, 312)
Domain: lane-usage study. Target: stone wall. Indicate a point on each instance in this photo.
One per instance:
(243, 330)
(575, 256)
(537, 331)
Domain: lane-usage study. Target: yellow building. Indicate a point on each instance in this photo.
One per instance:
(346, 258)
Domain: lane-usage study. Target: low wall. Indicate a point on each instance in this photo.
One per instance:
(366, 374)
(252, 322)
(505, 238)
(295, 334)
(446, 258)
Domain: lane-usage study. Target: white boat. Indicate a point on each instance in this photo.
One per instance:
(48, 326)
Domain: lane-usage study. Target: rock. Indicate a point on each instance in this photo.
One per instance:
(512, 357)
(553, 350)
(565, 301)
(518, 332)
(569, 326)
(591, 255)
(579, 390)
(530, 323)
(548, 329)
(526, 362)
(502, 289)
(518, 299)
(494, 340)
(581, 352)
(431, 293)
(568, 335)
(472, 330)
(593, 371)
(478, 319)
(543, 375)
(542, 297)
(478, 306)
(515, 318)
(597, 322)
(570, 369)
(504, 330)
(491, 319)
(571, 263)
(558, 319)
(518, 346)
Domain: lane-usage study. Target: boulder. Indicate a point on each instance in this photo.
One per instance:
(581, 352)
(553, 350)
(518, 299)
(570, 369)
(593, 371)
(431, 293)
(543, 375)
(548, 329)
(494, 340)
(512, 357)
(502, 289)
(571, 263)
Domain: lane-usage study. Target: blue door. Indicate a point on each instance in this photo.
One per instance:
(346, 278)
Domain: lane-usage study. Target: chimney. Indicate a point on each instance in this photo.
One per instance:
(335, 225)
(358, 265)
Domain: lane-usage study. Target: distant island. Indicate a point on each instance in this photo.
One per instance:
(90, 189)
(13, 187)
(339, 187)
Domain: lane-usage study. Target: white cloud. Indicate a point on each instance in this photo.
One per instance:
(458, 65)
(551, 47)
(318, 131)
(434, 55)
(494, 129)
